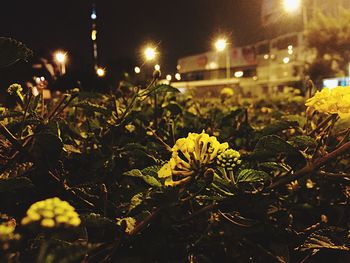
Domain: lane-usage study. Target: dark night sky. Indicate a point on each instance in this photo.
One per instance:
(181, 27)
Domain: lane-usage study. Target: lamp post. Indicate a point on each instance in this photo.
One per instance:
(220, 46)
(293, 6)
(61, 58)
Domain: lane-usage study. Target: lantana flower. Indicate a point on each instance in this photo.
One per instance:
(331, 101)
(52, 212)
(190, 156)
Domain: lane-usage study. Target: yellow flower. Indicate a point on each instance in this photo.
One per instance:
(52, 212)
(129, 222)
(229, 159)
(190, 156)
(331, 101)
(226, 93)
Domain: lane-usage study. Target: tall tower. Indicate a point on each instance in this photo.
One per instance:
(94, 35)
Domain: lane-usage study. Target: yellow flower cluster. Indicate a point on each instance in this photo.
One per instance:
(52, 212)
(226, 93)
(7, 232)
(189, 156)
(331, 101)
(229, 159)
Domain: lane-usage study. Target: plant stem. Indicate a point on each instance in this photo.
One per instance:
(309, 168)
(145, 222)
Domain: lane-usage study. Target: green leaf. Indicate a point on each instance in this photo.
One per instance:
(277, 127)
(302, 142)
(273, 146)
(93, 107)
(149, 179)
(274, 166)
(251, 176)
(12, 51)
(163, 88)
(136, 200)
(174, 108)
(12, 184)
(47, 147)
(96, 220)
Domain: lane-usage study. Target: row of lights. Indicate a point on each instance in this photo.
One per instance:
(61, 59)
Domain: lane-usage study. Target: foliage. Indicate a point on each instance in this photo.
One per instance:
(264, 182)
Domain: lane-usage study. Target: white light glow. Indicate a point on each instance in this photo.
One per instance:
(291, 6)
(286, 60)
(60, 56)
(239, 74)
(150, 53)
(157, 67)
(177, 76)
(220, 44)
(101, 72)
(137, 70)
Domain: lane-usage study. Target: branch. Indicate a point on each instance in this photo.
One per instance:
(309, 168)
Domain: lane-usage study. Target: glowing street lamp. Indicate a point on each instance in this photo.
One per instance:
(150, 53)
(157, 67)
(101, 72)
(169, 77)
(178, 76)
(221, 45)
(137, 70)
(291, 6)
(61, 58)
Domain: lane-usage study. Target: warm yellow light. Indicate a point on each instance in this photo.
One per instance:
(101, 72)
(286, 60)
(60, 56)
(178, 76)
(291, 6)
(239, 74)
(157, 67)
(220, 44)
(137, 70)
(93, 34)
(150, 53)
(168, 77)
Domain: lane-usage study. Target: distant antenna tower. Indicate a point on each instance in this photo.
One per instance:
(94, 35)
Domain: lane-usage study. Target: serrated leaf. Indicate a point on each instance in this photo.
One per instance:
(251, 176)
(274, 166)
(302, 142)
(96, 220)
(277, 127)
(150, 180)
(12, 184)
(174, 108)
(47, 147)
(12, 51)
(272, 146)
(93, 107)
(163, 88)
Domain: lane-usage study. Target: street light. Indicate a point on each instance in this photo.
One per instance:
(150, 53)
(61, 58)
(291, 6)
(137, 70)
(221, 45)
(101, 72)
